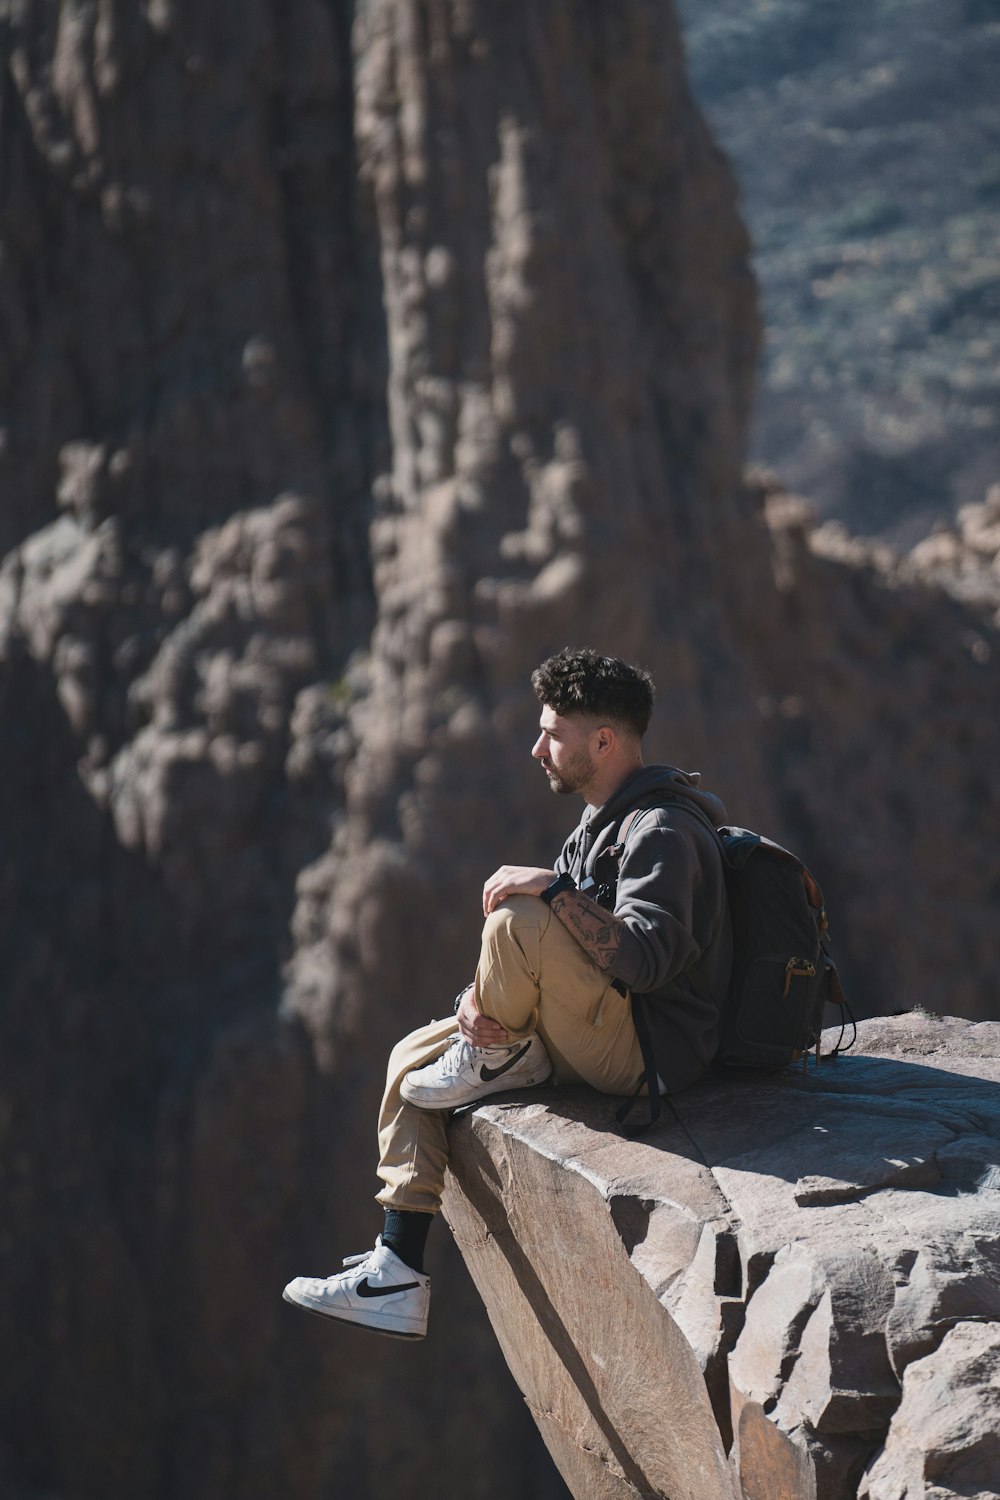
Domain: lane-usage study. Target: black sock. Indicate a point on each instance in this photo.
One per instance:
(406, 1234)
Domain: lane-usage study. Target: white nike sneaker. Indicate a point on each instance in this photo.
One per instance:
(377, 1290)
(465, 1073)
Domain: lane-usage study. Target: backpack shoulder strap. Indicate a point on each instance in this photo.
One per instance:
(627, 825)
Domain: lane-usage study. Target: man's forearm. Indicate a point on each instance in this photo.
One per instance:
(598, 932)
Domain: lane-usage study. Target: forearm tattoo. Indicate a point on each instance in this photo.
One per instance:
(598, 932)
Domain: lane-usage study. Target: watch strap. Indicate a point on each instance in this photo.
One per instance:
(562, 882)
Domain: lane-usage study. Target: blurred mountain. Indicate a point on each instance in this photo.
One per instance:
(866, 136)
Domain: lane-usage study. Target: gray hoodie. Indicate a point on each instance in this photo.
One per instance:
(677, 946)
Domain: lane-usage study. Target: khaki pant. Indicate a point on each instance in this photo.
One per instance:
(532, 974)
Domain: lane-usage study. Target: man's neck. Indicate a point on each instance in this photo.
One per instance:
(602, 791)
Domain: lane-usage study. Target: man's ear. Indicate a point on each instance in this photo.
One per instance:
(605, 739)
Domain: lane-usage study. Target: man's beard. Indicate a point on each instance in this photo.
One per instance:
(574, 777)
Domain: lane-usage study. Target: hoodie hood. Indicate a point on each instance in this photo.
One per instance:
(643, 786)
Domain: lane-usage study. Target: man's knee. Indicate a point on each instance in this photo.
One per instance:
(516, 914)
(418, 1048)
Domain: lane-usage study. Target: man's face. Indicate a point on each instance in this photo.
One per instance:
(564, 749)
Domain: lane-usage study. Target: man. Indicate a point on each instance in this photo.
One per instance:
(551, 992)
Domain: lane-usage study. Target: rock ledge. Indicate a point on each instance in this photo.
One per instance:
(789, 1289)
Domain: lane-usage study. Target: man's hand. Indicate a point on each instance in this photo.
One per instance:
(478, 1030)
(514, 880)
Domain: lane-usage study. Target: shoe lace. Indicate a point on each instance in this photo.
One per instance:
(459, 1054)
(350, 1262)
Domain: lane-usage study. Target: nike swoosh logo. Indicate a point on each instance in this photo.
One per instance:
(365, 1288)
(488, 1074)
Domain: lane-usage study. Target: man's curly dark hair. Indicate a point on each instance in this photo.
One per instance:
(604, 687)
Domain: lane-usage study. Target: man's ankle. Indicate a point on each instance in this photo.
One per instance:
(406, 1234)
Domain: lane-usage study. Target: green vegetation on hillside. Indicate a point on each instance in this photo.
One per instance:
(866, 134)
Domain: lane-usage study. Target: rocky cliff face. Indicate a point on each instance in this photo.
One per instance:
(785, 1291)
(353, 363)
(542, 408)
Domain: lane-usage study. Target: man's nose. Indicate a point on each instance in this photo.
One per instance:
(538, 749)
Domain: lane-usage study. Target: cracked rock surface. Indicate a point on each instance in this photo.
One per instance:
(789, 1289)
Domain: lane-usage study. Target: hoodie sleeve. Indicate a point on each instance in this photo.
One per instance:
(668, 890)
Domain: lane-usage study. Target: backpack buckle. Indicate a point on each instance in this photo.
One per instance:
(797, 968)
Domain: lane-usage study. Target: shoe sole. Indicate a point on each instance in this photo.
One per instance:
(502, 1086)
(355, 1322)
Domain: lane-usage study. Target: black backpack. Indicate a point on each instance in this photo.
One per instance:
(783, 975)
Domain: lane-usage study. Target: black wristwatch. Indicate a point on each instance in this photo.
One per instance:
(561, 883)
